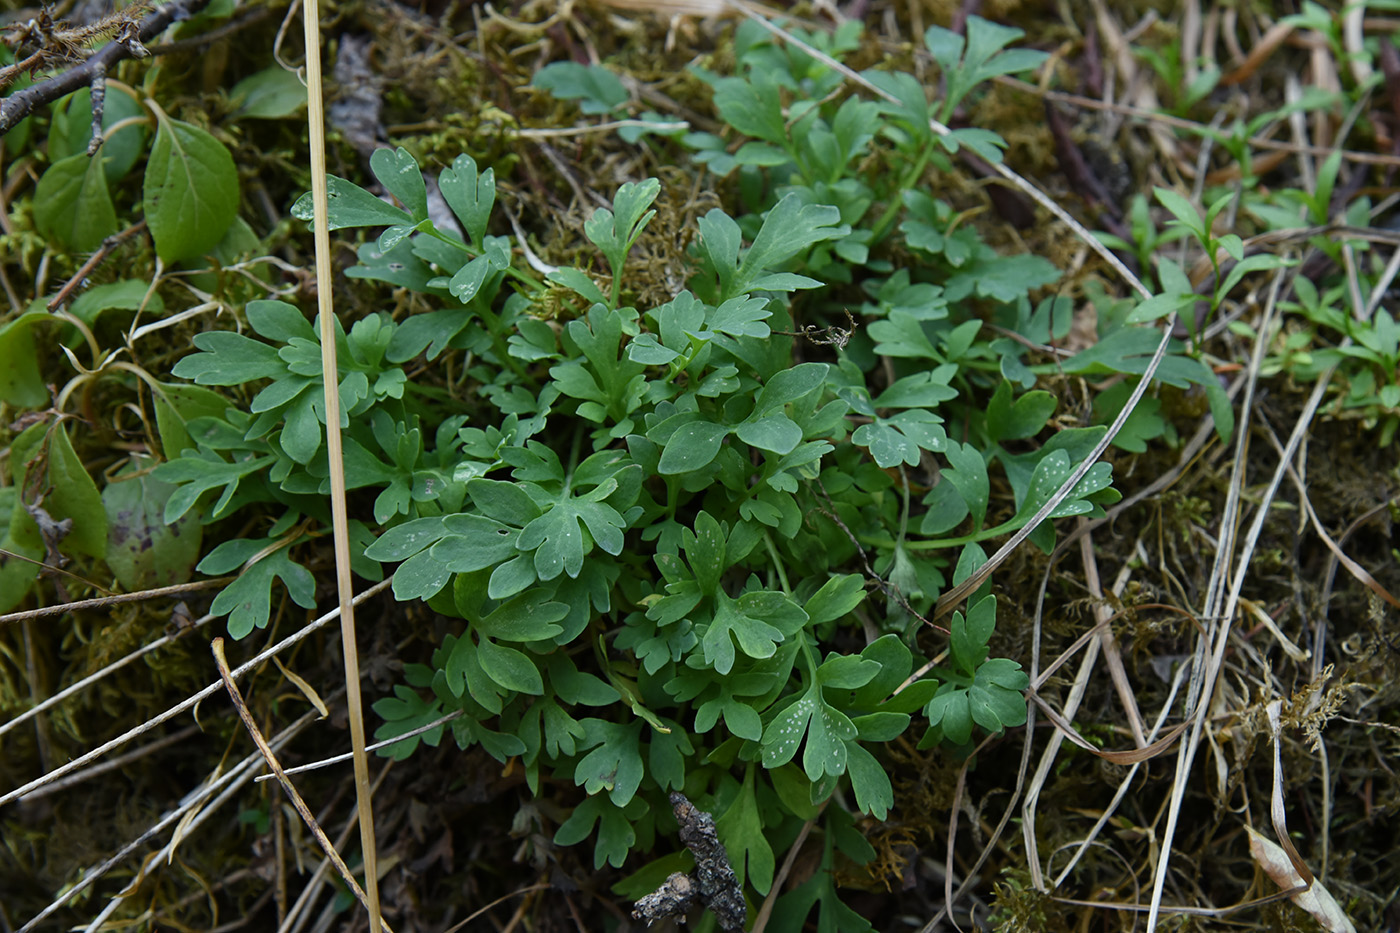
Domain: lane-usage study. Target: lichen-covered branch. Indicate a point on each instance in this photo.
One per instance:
(127, 44)
(715, 885)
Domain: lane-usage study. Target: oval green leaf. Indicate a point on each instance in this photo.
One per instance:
(71, 204)
(191, 191)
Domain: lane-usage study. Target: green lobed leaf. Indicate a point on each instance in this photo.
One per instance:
(529, 617)
(596, 88)
(837, 598)
(349, 205)
(874, 793)
(970, 634)
(969, 476)
(1008, 420)
(247, 601)
(470, 194)
(740, 828)
(756, 638)
(510, 668)
(615, 765)
(615, 833)
(692, 447)
(398, 172)
(405, 711)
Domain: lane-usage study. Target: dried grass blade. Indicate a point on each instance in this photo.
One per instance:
(330, 378)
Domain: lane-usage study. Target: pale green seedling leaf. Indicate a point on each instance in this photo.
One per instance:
(1183, 210)
(614, 231)
(596, 88)
(269, 94)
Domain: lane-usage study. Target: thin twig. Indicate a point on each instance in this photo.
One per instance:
(109, 244)
(337, 759)
(99, 675)
(102, 602)
(185, 814)
(117, 763)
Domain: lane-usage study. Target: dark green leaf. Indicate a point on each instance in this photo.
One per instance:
(528, 617)
(21, 383)
(72, 205)
(510, 668)
(740, 828)
(143, 550)
(191, 191)
(874, 794)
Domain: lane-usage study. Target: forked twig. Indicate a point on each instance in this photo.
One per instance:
(302, 809)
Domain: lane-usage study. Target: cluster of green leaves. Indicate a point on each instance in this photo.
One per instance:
(697, 535)
(655, 523)
(1323, 330)
(189, 190)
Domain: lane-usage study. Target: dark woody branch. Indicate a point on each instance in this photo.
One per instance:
(714, 883)
(21, 104)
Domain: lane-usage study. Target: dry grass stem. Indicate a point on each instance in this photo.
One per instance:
(186, 704)
(302, 809)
